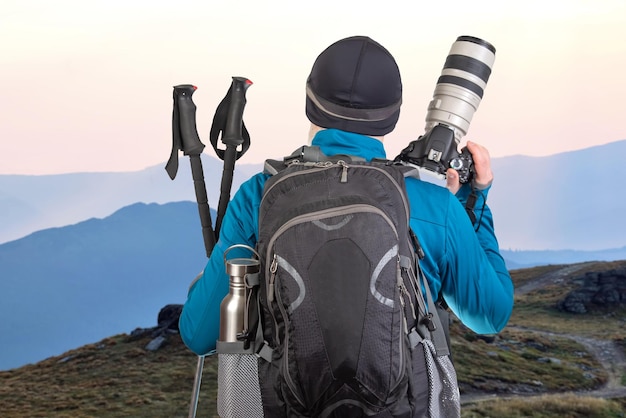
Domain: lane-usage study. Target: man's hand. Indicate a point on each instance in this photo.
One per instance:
(483, 176)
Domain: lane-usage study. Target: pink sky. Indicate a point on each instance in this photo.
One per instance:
(87, 86)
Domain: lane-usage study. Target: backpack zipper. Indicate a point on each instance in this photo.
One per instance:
(271, 294)
(286, 374)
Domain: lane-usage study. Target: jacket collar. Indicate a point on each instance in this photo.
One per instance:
(335, 141)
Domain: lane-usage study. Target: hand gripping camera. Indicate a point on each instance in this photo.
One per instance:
(457, 95)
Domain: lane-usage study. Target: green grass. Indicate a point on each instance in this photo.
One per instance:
(523, 276)
(538, 309)
(523, 362)
(566, 406)
(114, 378)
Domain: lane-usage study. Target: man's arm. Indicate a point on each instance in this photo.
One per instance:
(200, 318)
(478, 288)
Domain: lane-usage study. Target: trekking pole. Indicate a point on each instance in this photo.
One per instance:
(185, 138)
(229, 119)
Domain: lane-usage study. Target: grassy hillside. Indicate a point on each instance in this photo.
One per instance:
(544, 364)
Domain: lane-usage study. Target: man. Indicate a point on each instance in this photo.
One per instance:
(353, 98)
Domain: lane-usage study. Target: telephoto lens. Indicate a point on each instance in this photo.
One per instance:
(460, 87)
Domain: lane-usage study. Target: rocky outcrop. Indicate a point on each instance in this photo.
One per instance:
(167, 325)
(598, 291)
(168, 317)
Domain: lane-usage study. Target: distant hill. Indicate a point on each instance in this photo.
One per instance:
(69, 286)
(559, 202)
(567, 201)
(525, 259)
(32, 203)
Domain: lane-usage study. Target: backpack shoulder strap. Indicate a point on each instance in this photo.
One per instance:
(273, 167)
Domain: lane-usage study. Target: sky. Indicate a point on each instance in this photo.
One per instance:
(86, 86)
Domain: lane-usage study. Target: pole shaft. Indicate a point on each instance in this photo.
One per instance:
(195, 393)
(203, 204)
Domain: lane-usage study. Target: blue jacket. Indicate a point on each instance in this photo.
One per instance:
(463, 263)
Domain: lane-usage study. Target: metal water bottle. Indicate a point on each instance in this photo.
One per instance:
(238, 390)
(233, 315)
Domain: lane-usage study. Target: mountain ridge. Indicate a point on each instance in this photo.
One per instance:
(64, 286)
(39, 202)
(539, 203)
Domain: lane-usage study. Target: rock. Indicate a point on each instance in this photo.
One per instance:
(551, 360)
(138, 333)
(168, 317)
(598, 290)
(488, 338)
(536, 345)
(167, 326)
(574, 303)
(156, 343)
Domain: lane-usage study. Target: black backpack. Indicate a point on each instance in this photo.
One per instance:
(347, 325)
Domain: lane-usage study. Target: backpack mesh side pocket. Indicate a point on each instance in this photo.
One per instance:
(238, 394)
(443, 390)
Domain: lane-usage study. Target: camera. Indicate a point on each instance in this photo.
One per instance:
(457, 95)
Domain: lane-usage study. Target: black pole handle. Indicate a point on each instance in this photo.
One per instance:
(187, 111)
(184, 132)
(233, 136)
(228, 120)
(233, 133)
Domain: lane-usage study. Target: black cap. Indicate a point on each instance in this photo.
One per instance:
(355, 86)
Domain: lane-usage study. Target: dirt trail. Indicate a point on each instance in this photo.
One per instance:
(606, 352)
(612, 359)
(550, 278)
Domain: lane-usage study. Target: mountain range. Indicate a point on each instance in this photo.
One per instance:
(65, 286)
(30, 203)
(560, 202)
(564, 201)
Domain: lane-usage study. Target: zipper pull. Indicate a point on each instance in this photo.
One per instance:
(270, 288)
(344, 172)
(402, 303)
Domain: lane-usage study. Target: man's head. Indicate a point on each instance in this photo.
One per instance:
(355, 86)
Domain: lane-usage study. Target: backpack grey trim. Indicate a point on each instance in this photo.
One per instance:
(389, 256)
(296, 277)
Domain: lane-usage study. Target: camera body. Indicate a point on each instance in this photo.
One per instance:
(436, 151)
(457, 95)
